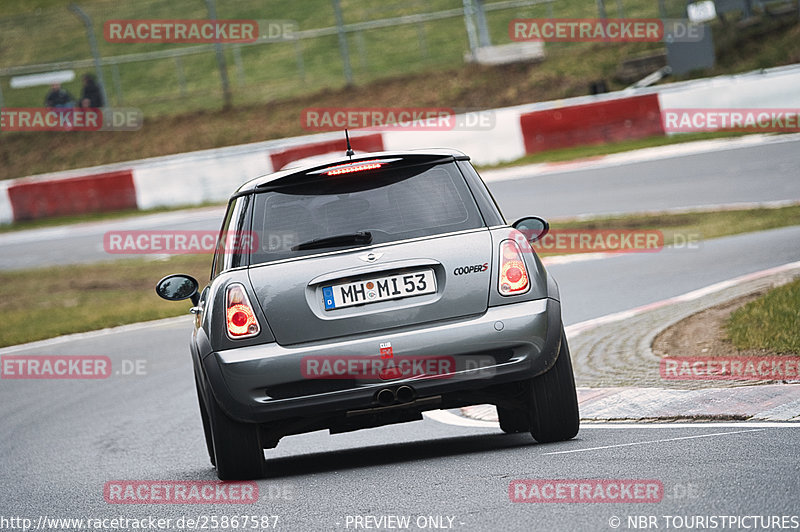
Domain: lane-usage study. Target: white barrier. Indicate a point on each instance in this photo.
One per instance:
(776, 89)
(199, 179)
(6, 212)
(503, 142)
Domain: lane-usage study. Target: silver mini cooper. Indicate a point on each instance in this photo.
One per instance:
(364, 292)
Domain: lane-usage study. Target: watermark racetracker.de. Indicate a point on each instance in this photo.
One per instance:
(693, 120)
(198, 31)
(67, 367)
(585, 491)
(178, 242)
(179, 492)
(395, 367)
(70, 119)
(397, 119)
(600, 241)
(604, 30)
(730, 368)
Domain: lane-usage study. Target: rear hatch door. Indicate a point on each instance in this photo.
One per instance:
(413, 250)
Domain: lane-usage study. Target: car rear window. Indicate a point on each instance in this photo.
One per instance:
(394, 203)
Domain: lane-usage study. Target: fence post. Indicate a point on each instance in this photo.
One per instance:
(93, 45)
(483, 27)
(471, 36)
(298, 52)
(337, 12)
(423, 43)
(181, 76)
(237, 59)
(362, 51)
(223, 68)
(117, 82)
(601, 9)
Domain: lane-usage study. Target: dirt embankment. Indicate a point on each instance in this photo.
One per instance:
(703, 334)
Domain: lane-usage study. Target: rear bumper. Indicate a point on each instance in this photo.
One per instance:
(265, 383)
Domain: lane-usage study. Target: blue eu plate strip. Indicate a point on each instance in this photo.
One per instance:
(327, 295)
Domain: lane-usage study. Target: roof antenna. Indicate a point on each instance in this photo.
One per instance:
(349, 151)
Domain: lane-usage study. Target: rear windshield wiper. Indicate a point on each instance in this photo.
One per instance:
(359, 237)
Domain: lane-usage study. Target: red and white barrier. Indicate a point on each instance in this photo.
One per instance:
(108, 191)
(6, 212)
(500, 142)
(212, 175)
(592, 123)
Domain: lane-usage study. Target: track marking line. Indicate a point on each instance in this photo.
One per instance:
(654, 441)
(448, 418)
(706, 424)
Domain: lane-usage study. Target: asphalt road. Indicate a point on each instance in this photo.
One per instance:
(758, 173)
(599, 287)
(63, 440)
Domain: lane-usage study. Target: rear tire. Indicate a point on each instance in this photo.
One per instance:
(513, 421)
(238, 454)
(553, 401)
(206, 423)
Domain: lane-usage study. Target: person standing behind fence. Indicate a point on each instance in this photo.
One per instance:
(58, 97)
(91, 96)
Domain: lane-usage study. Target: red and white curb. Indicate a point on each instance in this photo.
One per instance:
(770, 402)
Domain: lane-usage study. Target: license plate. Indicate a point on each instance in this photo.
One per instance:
(379, 289)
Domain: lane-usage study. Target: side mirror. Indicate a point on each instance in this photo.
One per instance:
(532, 227)
(177, 287)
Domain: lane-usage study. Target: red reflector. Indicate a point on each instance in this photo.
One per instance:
(513, 273)
(358, 167)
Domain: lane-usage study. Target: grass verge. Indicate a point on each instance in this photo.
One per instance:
(701, 225)
(770, 322)
(96, 217)
(47, 302)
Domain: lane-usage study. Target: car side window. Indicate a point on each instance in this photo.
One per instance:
(235, 238)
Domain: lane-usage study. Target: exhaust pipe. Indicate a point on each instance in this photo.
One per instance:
(385, 397)
(405, 394)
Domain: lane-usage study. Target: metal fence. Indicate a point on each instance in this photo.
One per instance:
(336, 43)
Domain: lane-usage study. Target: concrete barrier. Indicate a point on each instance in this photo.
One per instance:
(592, 123)
(195, 180)
(111, 191)
(500, 142)
(6, 212)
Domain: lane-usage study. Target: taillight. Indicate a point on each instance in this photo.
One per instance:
(355, 167)
(513, 273)
(239, 316)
